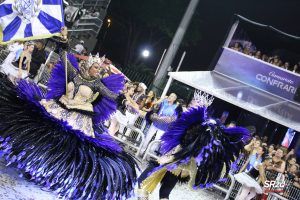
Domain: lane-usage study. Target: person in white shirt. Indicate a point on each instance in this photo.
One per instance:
(13, 48)
(79, 47)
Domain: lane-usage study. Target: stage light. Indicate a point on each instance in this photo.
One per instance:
(146, 53)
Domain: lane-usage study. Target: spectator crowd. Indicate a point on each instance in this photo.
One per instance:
(272, 59)
(274, 163)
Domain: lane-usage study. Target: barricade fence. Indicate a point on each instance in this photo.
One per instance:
(280, 188)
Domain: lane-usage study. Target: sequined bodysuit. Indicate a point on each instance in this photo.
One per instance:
(77, 101)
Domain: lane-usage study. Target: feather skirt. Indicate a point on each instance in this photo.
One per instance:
(54, 155)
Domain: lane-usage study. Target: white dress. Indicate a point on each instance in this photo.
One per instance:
(12, 48)
(249, 179)
(8, 68)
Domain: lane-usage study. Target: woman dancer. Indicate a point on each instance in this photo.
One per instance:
(255, 146)
(58, 139)
(20, 67)
(23, 63)
(251, 186)
(196, 149)
(13, 49)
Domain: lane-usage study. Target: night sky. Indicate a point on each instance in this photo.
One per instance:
(216, 17)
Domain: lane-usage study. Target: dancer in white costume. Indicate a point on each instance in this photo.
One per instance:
(251, 180)
(21, 66)
(13, 49)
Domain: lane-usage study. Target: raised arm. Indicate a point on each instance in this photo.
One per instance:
(291, 153)
(99, 86)
(279, 170)
(282, 167)
(249, 147)
(262, 175)
(131, 103)
(160, 100)
(163, 119)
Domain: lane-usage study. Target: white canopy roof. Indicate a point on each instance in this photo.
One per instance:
(247, 97)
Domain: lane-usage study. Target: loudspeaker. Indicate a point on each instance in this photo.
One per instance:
(297, 95)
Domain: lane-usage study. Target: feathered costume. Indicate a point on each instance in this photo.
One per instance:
(61, 145)
(197, 148)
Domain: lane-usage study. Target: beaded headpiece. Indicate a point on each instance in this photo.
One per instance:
(95, 59)
(202, 98)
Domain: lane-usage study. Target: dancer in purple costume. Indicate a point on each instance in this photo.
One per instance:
(195, 149)
(58, 139)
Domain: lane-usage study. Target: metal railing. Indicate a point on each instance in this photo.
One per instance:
(285, 191)
(131, 141)
(133, 136)
(89, 25)
(231, 187)
(150, 152)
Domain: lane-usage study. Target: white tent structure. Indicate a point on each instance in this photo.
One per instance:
(250, 83)
(262, 103)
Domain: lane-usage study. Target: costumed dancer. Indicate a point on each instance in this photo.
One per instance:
(19, 68)
(24, 62)
(13, 49)
(251, 186)
(58, 139)
(195, 149)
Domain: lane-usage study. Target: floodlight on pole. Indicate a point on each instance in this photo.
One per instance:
(108, 22)
(145, 53)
